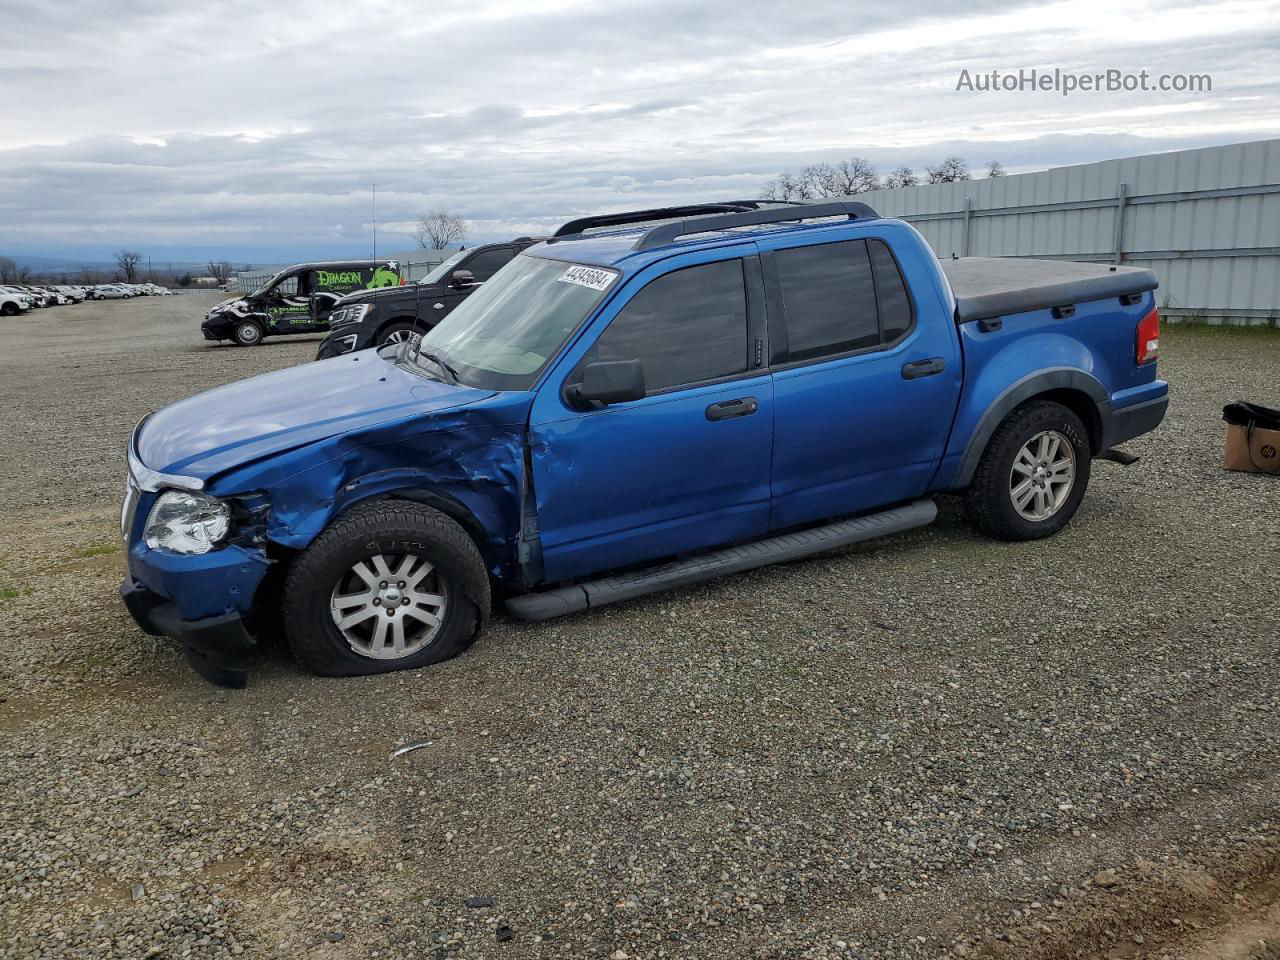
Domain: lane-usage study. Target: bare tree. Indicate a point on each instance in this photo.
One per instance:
(220, 270)
(127, 261)
(994, 169)
(951, 170)
(8, 270)
(901, 177)
(855, 175)
(439, 228)
(787, 187)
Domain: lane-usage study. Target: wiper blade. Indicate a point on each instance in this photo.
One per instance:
(439, 362)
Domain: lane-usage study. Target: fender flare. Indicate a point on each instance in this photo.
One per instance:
(1030, 386)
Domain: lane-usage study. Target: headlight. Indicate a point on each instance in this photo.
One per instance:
(346, 344)
(183, 522)
(351, 314)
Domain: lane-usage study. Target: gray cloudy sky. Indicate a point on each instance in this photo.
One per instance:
(254, 129)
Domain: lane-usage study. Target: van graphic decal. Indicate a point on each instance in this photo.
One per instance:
(339, 279)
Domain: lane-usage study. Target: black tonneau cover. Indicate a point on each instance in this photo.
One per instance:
(997, 286)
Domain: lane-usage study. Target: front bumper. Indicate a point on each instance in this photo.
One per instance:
(216, 330)
(217, 647)
(340, 342)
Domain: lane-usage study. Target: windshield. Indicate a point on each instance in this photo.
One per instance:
(272, 280)
(440, 271)
(502, 336)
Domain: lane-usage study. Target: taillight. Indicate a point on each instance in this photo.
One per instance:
(1148, 343)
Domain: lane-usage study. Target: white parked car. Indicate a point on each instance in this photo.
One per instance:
(13, 302)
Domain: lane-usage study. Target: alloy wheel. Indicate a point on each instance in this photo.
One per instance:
(1042, 476)
(389, 606)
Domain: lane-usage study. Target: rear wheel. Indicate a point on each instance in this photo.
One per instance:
(391, 585)
(8, 309)
(247, 333)
(399, 332)
(1032, 475)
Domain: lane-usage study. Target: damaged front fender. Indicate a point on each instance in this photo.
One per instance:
(472, 457)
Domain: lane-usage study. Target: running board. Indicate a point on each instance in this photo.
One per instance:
(707, 566)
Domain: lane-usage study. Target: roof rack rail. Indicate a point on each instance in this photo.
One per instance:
(574, 227)
(669, 232)
(760, 204)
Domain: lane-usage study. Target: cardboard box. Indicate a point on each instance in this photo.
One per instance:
(1253, 451)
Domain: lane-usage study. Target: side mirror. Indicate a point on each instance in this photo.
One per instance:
(463, 278)
(608, 381)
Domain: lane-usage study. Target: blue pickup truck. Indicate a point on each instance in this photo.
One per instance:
(626, 409)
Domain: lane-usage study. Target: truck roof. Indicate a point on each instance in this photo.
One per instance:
(986, 287)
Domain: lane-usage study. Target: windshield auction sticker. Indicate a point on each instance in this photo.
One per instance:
(587, 277)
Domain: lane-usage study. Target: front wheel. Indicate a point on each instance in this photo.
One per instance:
(126, 296)
(399, 333)
(9, 309)
(1032, 475)
(247, 333)
(390, 585)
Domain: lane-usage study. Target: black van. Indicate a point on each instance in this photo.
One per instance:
(298, 299)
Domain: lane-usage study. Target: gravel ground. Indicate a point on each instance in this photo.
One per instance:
(931, 745)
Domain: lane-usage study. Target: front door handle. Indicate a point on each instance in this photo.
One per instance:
(923, 368)
(742, 407)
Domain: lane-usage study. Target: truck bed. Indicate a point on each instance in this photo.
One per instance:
(997, 286)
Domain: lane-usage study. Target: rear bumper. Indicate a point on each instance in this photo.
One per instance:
(1136, 419)
(217, 647)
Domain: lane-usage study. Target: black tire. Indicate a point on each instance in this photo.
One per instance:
(989, 500)
(247, 333)
(396, 332)
(9, 309)
(383, 527)
(126, 296)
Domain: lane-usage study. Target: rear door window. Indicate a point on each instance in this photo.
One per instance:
(829, 299)
(686, 327)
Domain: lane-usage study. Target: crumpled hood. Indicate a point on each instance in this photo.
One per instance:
(236, 424)
(227, 306)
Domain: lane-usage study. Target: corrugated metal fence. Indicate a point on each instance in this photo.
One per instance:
(1206, 221)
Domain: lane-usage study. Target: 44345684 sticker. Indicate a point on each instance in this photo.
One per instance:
(592, 277)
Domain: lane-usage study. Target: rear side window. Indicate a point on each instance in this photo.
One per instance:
(685, 327)
(485, 265)
(891, 293)
(829, 298)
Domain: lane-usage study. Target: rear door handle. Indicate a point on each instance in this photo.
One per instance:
(742, 407)
(923, 368)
